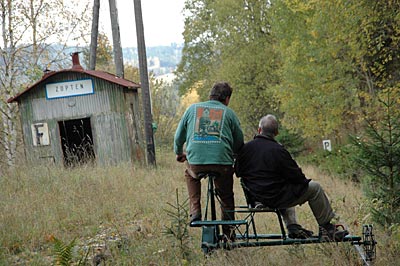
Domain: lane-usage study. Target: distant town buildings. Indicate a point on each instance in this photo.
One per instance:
(161, 60)
(167, 78)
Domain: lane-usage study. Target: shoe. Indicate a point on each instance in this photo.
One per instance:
(258, 205)
(229, 234)
(332, 232)
(195, 218)
(228, 243)
(296, 231)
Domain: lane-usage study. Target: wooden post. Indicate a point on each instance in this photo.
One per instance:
(118, 57)
(144, 80)
(94, 35)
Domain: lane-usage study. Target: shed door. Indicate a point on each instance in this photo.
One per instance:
(76, 141)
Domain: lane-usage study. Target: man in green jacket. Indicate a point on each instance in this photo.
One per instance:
(212, 133)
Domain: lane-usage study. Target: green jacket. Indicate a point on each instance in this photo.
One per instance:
(212, 134)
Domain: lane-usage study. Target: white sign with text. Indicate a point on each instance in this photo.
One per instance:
(69, 88)
(327, 144)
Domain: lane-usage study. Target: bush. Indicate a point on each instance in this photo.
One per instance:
(336, 162)
(293, 142)
(378, 154)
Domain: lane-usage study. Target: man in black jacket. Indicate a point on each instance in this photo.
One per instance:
(274, 179)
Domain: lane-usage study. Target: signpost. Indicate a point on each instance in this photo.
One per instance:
(326, 143)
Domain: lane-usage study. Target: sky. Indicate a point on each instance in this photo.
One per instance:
(162, 21)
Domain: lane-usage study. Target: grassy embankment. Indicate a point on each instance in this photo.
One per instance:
(119, 212)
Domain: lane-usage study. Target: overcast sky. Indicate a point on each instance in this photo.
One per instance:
(162, 21)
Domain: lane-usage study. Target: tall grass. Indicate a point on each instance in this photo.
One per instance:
(117, 214)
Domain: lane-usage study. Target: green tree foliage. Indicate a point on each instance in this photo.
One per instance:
(379, 157)
(334, 56)
(104, 54)
(317, 61)
(178, 226)
(294, 143)
(165, 109)
(132, 73)
(318, 85)
(230, 40)
(381, 37)
(338, 59)
(198, 51)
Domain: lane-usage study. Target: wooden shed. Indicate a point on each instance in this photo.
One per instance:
(73, 116)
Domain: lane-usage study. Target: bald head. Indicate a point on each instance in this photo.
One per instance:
(268, 126)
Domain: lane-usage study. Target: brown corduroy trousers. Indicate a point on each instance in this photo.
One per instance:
(223, 187)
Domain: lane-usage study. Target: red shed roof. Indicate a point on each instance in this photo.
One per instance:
(76, 67)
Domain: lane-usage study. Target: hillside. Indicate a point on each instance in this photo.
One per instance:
(161, 59)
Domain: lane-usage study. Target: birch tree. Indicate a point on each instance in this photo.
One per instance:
(35, 35)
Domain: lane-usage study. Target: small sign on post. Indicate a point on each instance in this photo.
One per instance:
(326, 143)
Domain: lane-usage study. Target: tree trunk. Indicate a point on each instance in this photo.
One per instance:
(144, 80)
(118, 58)
(8, 117)
(94, 35)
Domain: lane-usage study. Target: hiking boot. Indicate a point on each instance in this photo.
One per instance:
(195, 217)
(296, 231)
(332, 232)
(229, 234)
(228, 243)
(258, 205)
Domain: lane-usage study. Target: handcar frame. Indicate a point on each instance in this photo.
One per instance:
(246, 230)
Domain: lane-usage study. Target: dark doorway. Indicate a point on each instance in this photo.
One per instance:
(76, 141)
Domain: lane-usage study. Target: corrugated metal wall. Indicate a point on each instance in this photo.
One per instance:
(108, 109)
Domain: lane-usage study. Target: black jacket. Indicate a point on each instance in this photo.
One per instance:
(270, 172)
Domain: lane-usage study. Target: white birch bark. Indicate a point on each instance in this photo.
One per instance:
(27, 30)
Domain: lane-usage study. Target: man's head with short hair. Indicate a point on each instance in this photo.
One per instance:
(268, 126)
(220, 91)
